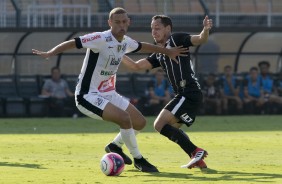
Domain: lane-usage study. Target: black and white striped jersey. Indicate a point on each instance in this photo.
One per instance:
(103, 57)
(181, 75)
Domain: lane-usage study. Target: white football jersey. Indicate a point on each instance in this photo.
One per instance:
(103, 57)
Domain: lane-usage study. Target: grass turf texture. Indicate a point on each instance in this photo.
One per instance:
(245, 149)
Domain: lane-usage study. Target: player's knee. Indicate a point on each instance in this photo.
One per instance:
(158, 126)
(124, 121)
(140, 123)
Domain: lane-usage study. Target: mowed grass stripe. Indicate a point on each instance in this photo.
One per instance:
(241, 150)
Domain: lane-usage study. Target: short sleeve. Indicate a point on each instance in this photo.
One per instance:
(47, 85)
(132, 45)
(182, 39)
(92, 41)
(153, 60)
(66, 84)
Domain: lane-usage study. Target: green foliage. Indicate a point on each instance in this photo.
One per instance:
(242, 149)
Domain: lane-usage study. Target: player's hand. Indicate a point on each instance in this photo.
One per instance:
(177, 51)
(207, 23)
(43, 54)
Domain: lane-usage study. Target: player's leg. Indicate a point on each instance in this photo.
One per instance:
(95, 105)
(173, 114)
(138, 122)
(166, 125)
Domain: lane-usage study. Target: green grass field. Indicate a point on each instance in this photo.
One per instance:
(242, 149)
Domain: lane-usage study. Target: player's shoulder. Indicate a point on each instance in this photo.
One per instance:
(128, 38)
(179, 35)
(99, 35)
(180, 38)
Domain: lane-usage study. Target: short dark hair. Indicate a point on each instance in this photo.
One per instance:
(264, 63)
(165, 20)
(253, 69)
(117, 10)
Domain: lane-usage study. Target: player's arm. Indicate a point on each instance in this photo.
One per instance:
(142, 64)
(172, 52)
(67, 45)
(204, 35)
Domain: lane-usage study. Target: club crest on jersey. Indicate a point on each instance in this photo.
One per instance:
(183, 83)
(186, 118)
(121, 47)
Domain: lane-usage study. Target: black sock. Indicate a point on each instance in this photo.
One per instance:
(178, 136)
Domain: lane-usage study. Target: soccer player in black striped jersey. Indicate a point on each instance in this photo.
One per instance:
(182, 109)
(95, 92)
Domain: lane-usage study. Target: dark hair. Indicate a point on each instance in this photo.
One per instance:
(264, 63)
(253, 69)
(165, 20)
(117, 10)
(227, 66)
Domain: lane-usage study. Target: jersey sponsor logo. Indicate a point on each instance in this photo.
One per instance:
(84, 40)
(107, 85)
(106, 73)
(186, 118)
(115, 61)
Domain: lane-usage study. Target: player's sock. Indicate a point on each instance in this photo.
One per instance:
(118, 139)
(128, 136)
(178, 136)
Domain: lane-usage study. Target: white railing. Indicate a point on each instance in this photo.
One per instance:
(58, 15)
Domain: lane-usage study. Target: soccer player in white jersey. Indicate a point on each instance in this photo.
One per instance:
(95, 93)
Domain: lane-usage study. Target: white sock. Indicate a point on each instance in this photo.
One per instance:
(118, 139)
(129, 139)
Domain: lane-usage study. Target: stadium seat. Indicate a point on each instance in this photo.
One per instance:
(140, 83)
(124, 85)
(14, 106)
(2, 113)
(71, 80)
(148, 7)
(7, 86)
(28, 88)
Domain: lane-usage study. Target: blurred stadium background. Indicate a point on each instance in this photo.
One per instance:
(245, 32)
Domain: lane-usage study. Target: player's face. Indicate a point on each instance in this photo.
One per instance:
(254, 74)
(119, 24)
(264, 69)
(160, 33)
(228, 71)
(56, 75)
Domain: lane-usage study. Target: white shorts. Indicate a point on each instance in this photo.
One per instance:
(93, 103)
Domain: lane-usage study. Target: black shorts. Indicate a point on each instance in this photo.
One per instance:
(185, 107)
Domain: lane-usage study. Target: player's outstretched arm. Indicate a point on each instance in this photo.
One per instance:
(67, 45)
(142, 64)
(204, 35)
(172, 52)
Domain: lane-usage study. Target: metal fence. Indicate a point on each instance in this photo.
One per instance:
(94, 13)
